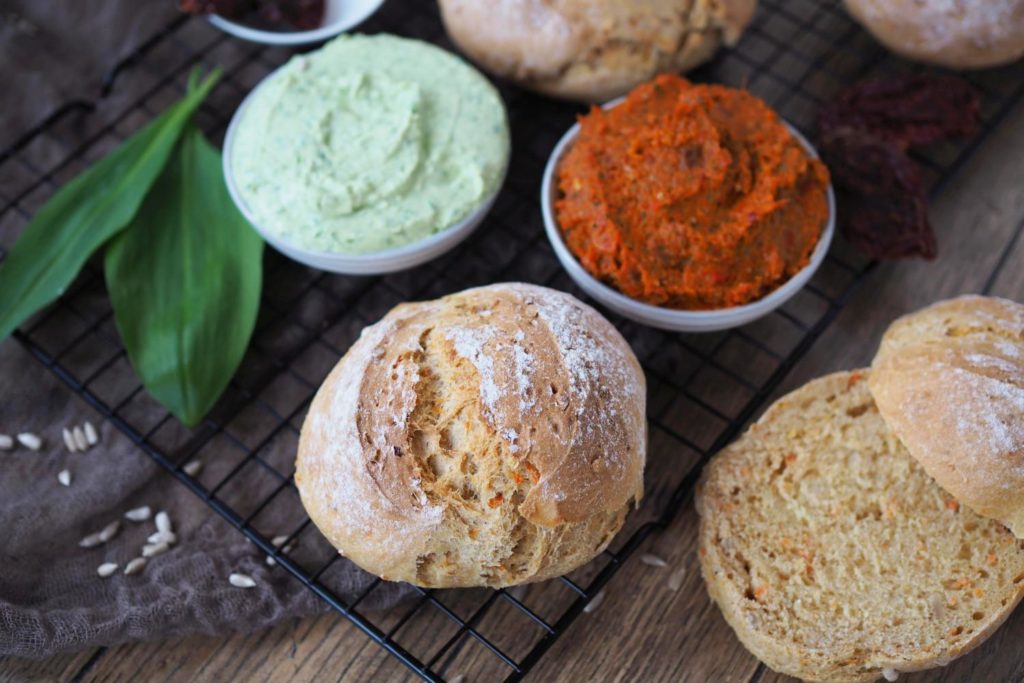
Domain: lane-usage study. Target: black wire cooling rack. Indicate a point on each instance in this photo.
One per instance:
(703, 388)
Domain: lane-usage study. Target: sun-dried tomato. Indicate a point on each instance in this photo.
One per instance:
(886, 212)
(229, 9)
(908, 110)
(300, 14)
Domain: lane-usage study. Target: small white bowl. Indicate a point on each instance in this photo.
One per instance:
(339, 16)
(671, 318)
(374, 263)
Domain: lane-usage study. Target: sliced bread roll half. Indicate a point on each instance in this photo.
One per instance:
(949, 381)
(832, 553)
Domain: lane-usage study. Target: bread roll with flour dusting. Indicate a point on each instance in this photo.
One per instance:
(949, 380)
(960, 34)
(492, 437)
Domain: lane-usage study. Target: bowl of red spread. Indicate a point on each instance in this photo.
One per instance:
(688, 207)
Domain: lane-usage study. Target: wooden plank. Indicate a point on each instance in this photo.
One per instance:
(59, 668)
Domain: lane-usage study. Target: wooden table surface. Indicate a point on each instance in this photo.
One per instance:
(643, 630)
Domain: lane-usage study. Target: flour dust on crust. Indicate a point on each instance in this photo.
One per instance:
(491, 437)
(832, 553)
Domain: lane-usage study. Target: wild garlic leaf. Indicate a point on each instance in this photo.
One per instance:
(184, 280)
(87, 212)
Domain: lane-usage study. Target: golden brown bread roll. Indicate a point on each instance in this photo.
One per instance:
(949, 380)
(832, 553)
(592, 50)
(960, 34)
(492, 437)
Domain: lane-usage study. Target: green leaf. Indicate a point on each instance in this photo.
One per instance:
(184, 279)
(85, 213)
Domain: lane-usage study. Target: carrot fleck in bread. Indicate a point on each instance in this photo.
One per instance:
(832, 553)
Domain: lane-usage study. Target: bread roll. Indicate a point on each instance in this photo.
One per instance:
(592, 50)
(493, 437)
(949, 380)
(832, 553)
(960, 34)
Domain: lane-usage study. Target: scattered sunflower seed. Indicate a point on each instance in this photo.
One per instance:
(675, 581)
(167, 537)
(79, 436)
(890, 674)
(457, 678)
(91, 436)
(64, 477)
(135, 566)
(90, 541)
(6, 442)
(653, 560)
(155, 549)
(241, 581)
(106, 569)
(595, 603)
(192, 467)
(109, 531)
(163, 522)
(271, 562)
(30, 441)
(69, 441)
(138, 514)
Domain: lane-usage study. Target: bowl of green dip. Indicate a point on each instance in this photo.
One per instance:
(371, 155)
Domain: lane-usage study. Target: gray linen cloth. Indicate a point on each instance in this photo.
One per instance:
(51, 598)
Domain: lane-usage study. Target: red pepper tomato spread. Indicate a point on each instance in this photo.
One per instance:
(690, 196)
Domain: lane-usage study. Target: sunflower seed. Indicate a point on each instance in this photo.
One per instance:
(64, 477)
(167, 537)
(135, 566)
(69, 441)
(6, 442)
(192, 467)
(457, 678)
(138, 514)
(278, 541)
(106, 569)
(110, 530)
(653, 560)
(79, 436)
(271, 562)
(90, 541)
(241, 581)
(675, 581)
(594, 603)
(155, 549)
(91, 436)
(30, 441)
(890, 674)
(163, 522)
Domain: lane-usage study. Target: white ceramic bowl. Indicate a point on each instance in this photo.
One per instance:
(374, 263)
(670, 318)
(339, 16)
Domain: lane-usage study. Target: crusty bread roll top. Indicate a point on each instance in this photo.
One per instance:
(491, 437)
(592, 50)
(959, 34)
(949, 381)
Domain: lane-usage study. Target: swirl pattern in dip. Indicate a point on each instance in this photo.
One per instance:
(370, 143)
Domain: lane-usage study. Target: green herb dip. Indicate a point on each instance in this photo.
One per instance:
(370, 143)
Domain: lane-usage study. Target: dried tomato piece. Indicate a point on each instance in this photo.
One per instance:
(908, 110)
(302, 14)
(230, 9)
(884, 200)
